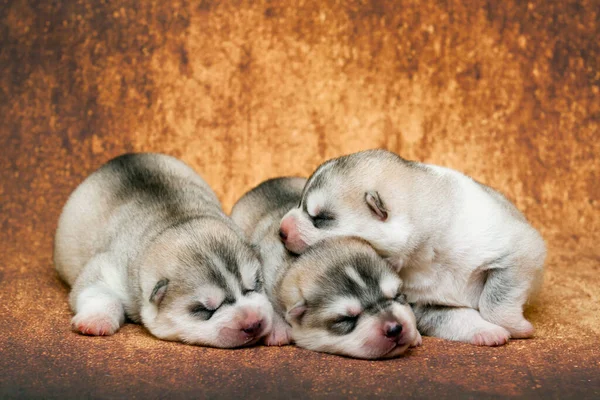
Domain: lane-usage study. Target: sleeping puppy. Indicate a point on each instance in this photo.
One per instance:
(258, 213)
(145, 237)
(341, 297)
(468, 258)
(338, 297)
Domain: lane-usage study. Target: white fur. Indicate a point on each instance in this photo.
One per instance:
(467, 325)
(97, 304)
(352, 274)
(315, 202)
(443, 232)
(390, 285)
(344, 306)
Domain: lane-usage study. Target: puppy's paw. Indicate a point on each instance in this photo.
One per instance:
(492, 336)
(521, 330)
(281, 335)
(97, 324)
(418, 340)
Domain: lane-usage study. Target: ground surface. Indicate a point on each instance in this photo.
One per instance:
(508, 93)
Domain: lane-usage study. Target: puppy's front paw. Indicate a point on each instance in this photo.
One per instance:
(418, 340)
(279, 336)
(492, 336)
(521, 330)
(97, 324)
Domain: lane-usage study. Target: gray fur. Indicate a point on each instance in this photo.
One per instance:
(333, 282)
(430, 318)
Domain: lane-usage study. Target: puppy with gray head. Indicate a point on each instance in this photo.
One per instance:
(338, 297)
(145, 237)
(468, 258)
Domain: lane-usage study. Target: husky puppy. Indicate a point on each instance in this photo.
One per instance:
(468, 258)
(338, 297)
(258, 213)
(145, 237)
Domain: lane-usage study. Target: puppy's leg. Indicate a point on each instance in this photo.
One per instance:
(459, 324)
(98, 309)
(504, 294)
(281, 333)
(418, 340)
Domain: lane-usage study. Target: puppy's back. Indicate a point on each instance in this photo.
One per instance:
(150, 185)
(272, 198)
(258, 213)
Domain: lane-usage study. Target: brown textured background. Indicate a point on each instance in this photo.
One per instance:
(507, 92)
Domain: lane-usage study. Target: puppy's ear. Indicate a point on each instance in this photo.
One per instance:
(296, 312)
(291, 298)
(376, 205)
(158, 293)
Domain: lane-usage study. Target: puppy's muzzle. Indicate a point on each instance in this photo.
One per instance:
(288, 232)
(252, 328)
(392, 330)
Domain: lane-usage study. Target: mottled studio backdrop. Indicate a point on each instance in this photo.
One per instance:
(506, 91)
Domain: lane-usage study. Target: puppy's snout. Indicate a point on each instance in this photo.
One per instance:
(286, 228)
(392, 330)
(252, 328)
(288, 232)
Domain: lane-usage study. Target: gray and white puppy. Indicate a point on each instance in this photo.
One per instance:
(145, 237)
(338, 297)
(468, 258)
(258, 213)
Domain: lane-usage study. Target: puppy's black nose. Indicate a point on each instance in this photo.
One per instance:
(252, 329)
(393, 331)
(282, 235)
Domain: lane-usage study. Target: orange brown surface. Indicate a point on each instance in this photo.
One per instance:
(508, 92)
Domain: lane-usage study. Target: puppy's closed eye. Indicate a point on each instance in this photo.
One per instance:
(344, 324)
(257, 287)
(400, 298)
(322, 219)
(200, 311)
